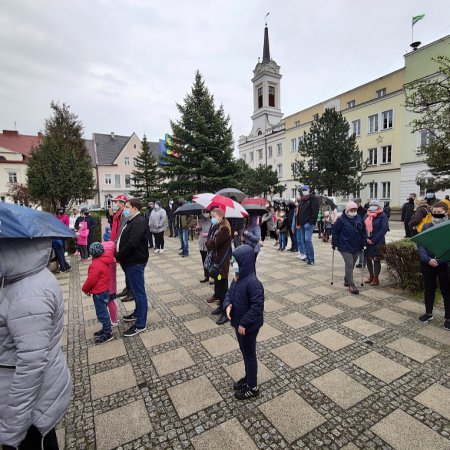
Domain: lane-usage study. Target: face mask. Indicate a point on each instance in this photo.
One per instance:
(236, 267)
(215, 221)
(305, 193)
(373, 208)
(429, 196)
(157, 207)
(126, 212)
(351, 214)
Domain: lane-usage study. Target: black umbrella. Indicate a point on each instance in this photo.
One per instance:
(189, 209)
(232, 193)
(327, 201)
(255, 210)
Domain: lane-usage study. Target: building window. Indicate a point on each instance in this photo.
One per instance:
(381, 93)
(293, 170)
(386, 189)
(386, 119)
(134, 146)
(373, 190)
(12, 177)
(280, 170)
(108, 178)
(126, 160)
(279, 149)
(424, 138)
(117, 180)
(251, 156)
(351, 104)
(260, 154)
(356, 127)
(269, 150)
(316, 117)
(373, 123)
(272, 96)
(424, 186)
(127, 181)
(386, 154)
(260, 98)
(294, 145)
(297, 123)
(373, 157)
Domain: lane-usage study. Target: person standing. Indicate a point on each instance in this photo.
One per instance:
(433, 268)
(349, 237)
(252, 235)
(172, 223)
(306, 220)
(203, 227)
(148, 211)
(63, 218)
(73, 218)
(420, 217)
(170, 218)
(291, 227)
(91, 224)
(220, 244)
(132, 254)
(35, 382)
(407, 213)
(298, 233)
(183, 224)
(237, 228)
(244, 306)
(361, 213)
(377, 225)
(157, 224)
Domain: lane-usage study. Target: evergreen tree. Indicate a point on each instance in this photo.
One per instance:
(430, 99)
(146, 177)
(331, 160)
(200, 154)
(264, 180)
(59, 170)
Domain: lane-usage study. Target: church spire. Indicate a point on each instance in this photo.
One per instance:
(266, 50)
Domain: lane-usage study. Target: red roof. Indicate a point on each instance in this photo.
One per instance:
(19, 143)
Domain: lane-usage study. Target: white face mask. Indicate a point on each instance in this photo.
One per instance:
(351, 214)
(373, 208)
(305, 192)
(236, 267)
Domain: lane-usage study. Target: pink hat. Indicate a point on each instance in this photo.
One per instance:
(121, 198)
(350, 205)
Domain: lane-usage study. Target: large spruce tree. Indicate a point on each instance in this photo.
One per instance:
(146, 177)
(59, 170)
(200, 153)
(330, 160)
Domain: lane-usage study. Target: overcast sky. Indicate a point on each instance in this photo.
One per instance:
(122, 65)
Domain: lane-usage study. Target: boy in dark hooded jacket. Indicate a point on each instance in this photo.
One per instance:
(244, 306)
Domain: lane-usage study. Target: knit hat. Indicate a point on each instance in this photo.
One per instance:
(96, 249)
(374, 202)
(350, 205)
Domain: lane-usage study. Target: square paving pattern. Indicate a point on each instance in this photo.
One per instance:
(336, 371)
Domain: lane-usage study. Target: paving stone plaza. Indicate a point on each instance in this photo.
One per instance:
(336, 371)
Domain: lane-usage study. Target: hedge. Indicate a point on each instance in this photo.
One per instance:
(402, 260)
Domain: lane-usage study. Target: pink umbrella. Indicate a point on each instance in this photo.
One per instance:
(231, 208)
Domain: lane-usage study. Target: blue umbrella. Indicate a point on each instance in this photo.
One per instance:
(21, 222)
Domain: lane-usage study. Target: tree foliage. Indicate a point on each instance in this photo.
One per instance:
(200, 154)
(331, 162)
(59, 169)
(146, 177)
(19, 193)
(429, 98)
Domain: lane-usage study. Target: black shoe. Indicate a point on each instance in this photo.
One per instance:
(447, 325)
(99, 333)
(346, 283)
(240, 384)
(124, 293)
(130, 318)
(128, 298)
(426, 318)
(246, 393)
(133, 330)
(104, 338)
(67, 269)
(205, 280)
(217, 311)
(222, 319)
(184, 256)
(353, 289)
(358, 266)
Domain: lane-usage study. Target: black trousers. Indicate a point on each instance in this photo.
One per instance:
(263, 231)
(430, 275)
(407, 229)
(150, 238)
(159, 240)
(247, 345)
(33, 441)
(203, 254)
(220, 289)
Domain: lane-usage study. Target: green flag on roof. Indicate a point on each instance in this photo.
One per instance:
(415, 19)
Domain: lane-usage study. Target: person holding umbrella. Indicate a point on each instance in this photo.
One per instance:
(433, 268)
(203, 226)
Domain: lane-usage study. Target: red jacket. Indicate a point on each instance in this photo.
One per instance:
(99, 274)
(115, 228)
(64, 219)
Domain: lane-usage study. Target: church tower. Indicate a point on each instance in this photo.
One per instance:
(266, 91)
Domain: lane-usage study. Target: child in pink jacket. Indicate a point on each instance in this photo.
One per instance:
(82, 240)
(110, 247)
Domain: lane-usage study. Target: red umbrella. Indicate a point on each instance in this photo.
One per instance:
(254, 201)
(229, 206)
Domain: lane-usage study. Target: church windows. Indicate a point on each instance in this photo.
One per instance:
(270, 151)
(272, 96)
(260, 97)
(279, 149)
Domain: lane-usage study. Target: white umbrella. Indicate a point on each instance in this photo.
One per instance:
(232, 209)
(232, 192)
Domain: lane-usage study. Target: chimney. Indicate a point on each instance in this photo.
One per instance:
(112, 135)
(10, 132)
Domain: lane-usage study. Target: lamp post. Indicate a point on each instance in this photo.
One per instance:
(359, 175)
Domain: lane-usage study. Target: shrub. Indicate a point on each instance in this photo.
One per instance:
(402, 259)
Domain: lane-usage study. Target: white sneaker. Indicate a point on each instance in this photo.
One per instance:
(302, 257)
(115, 324)
(66, 254)
(156, 251)
(161, 251)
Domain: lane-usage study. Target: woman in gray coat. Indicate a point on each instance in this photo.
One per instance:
(35, 384)
(158, 224)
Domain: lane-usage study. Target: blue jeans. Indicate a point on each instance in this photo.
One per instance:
(135, 276)
(100, 302)
(59, 252)
(247, 345)
(307, 233)
(362, 259)
(282, 240)
(300, 241)
(183, 233)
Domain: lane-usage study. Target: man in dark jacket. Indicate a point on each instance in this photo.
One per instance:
(361, 211)
(150, 206)
(244, 305)
(291, 226)
(132, 253)
(91, 224)
(306, 221)
(407, 213)
(170, 211)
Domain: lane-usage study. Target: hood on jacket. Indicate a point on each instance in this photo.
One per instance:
(106, 258)
(110, 247)
(245, 257)
(20, 258)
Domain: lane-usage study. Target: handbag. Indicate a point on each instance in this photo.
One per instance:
(212, 267)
